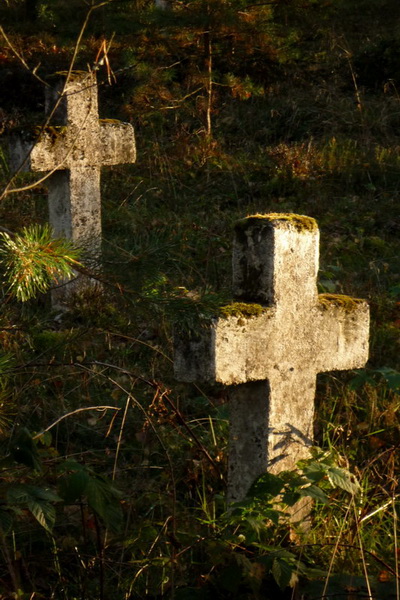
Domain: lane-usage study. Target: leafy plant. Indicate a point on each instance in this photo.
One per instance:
(102, 497)
(238, 109)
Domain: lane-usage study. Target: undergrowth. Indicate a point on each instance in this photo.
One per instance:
(113, 473)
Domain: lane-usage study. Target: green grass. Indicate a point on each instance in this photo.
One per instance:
(301, 145)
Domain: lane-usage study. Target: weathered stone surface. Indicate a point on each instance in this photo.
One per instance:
(57, 147)
(271, 357)
(75, 150)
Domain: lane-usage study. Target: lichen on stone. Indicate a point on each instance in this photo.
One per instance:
(52, 131)
(241, 309)
(299, 222)
(347, 303)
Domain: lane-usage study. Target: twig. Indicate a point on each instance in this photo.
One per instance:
(6, 190)
(369, 552)
(10, 565)
(396, 556)
(5, 230)
(74, 412)
(20, 57)
(201, 446)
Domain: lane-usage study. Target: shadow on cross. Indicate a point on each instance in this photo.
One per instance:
(287, 440)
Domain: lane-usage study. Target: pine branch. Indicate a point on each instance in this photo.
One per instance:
(33, 260)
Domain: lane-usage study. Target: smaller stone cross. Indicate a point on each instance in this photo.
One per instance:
(74, 152)
(270, 345)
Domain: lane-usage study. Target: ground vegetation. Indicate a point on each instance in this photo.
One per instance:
(112, 472)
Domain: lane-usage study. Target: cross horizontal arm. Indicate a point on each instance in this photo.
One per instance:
(60, 148)
(343, 326)
(241, 348)
(117, 143)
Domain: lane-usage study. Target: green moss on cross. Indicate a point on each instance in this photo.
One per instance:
(241, 309)
(299, 222)
(338, 300)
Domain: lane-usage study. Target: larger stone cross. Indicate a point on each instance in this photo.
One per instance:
(271, 343)
(74, 152)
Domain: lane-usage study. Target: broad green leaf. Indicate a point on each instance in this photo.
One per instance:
(266, 485)
(17, 494)
(39, 501)
(70, 465)
(314, 471)
(284, 573)
(273, 515)
(104, 500)
(43, 511)
(361, 378)
(392, 378)
(314, 492)
(343, 479)
(42, 493)
(73, 486)
(23, 494)
(256, 524)
(394, 291)
(24, 450)
(290, 497)
(294, 479)
(243, 562)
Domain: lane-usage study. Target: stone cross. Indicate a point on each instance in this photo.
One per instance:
(270, 344)
(74, 152)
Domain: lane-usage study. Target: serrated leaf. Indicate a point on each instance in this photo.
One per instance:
(104, 500)
(255, 524)
(17, 494)
(267, 484)
(284, 573)
(44, 513)
(243, 562)
(290, 497)
(392, 378)
(314, 492)
(293, 478)
(343, 479)
(37, 500)
(273, 515)
(43, 493)
(314, 471)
